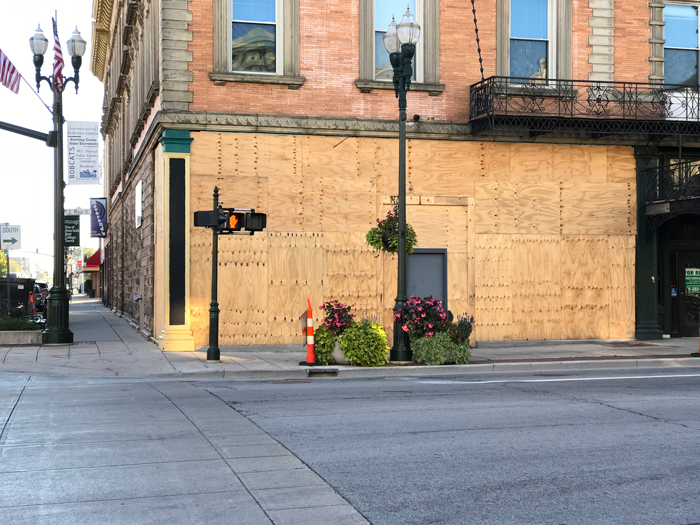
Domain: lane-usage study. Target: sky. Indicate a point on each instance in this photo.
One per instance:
(26, 165)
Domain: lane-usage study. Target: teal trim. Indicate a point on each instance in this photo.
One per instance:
(176, 141)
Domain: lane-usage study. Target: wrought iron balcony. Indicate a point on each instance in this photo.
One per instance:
(517, 105)
(670, 191)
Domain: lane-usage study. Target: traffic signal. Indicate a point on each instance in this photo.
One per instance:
(211, 219)
(236, 221)
(255, 222)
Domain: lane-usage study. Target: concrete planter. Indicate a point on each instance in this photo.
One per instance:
(337, 354)
(20, 337)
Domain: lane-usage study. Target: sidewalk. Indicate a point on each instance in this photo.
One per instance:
(108, 346)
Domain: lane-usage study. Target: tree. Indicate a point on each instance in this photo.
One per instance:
(87, 253)
(3, 265)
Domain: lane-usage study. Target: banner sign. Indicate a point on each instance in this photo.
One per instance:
(98, 217)
(82, 152)
(692, 280)
(71, 230)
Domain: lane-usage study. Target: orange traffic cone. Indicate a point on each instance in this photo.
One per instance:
(310, 352)
(31, 300)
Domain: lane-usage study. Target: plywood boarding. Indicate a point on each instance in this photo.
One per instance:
(386, 165)
(205, 154)
(535, 271)
(443, 168)
(350, 273)
(585, 301)
(457, 281)
(495, 161)
(494, 296)
(531, 162)
(579, 163)
(439, 226)
(390, 273)
(597, 208)
(496, 207)
(200, 283)
(621, 250)
(621, 165)
(280, 161)
(538, 208)
(243, 277)
(295, 274)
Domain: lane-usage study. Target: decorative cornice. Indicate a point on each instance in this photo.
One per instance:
(102, 14)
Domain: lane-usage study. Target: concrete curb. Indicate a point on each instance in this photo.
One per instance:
(481, 368)
(20, 337)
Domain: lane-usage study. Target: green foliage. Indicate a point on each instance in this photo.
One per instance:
(385, 235)
(439, 349)
(17, 323)
(364, 344)
(3, 265)
(324, 340)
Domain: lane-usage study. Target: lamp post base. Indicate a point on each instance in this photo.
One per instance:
(57, 331)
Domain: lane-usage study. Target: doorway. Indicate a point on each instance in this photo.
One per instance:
(426, 273)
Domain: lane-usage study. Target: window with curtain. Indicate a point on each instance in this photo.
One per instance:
(529, 38)
(254, 36)
(681, 48)
(383, 11)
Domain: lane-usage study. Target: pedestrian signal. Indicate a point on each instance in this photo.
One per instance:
(236, 222)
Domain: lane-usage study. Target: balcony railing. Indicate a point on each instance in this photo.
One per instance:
(673, 183)
(583, 106)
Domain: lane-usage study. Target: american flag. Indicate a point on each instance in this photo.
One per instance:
(9, 76)
(57, 60)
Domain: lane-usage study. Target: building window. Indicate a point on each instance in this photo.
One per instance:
(681, 47)
(254, 35)
(256, 41)
(384, 10)
(529, 38)
(534, 38)
(375, 70)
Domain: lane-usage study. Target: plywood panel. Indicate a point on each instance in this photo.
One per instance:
(621, 165)
(295, 275)
(200, 284)
(495, 161)
(585, 300)
(279, 160)
(457, 284)
(496, 207)
(538, 208)
(439, 226)
(579, 163)
(536, 285)
(531, 162)
(350, 273)
(234, 192)
(597, 209)
(387, 166)
(243, 276)
(390, 272)
(205, 154)
(494, 314)
(442, 167)
(621, 286)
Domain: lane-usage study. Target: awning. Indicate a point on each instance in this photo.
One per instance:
(92, 264)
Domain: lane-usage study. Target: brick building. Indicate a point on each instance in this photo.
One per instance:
(547, 186)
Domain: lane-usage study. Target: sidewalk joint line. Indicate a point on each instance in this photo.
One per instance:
(7, 421)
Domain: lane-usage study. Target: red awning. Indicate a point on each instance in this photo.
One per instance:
(93, 262)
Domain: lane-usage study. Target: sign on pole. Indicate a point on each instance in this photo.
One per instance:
(10, 237)
(83, 153)
(98, 217)
(77, 211)
(71, 230)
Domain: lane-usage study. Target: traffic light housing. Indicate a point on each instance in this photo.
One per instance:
(211, 219)
(236, 222)
(255, 222)
(229, 220)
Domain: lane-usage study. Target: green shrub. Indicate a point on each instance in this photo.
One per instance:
(364, 344)
(460, 355)
(324, 340)
(87, 286)
(17, 323)
(439, 349)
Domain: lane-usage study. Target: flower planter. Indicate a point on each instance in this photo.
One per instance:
(337, 355)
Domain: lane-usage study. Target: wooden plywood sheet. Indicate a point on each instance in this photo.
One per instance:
(350, 273)
(387, 166)
(531, 162)
(579, 163)
(538, 208)
(439, 226)
(496, 207)
(280, 161)
(442, 167)
(295, 274)
(536, 285)
(585, 299)
(205, 153)
(597, 208)
(495, 161)
(457, 284)
(390, 273)
(621, 164)
(494, 295)
(234, 192)
(200, 284)
(243, 276)
(621, 284)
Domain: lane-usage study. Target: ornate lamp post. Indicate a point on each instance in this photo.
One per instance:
(57, 330)
(400, 42)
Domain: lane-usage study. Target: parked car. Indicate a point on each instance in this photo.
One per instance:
(44, 286)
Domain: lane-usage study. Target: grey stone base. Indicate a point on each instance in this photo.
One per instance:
(20, 337)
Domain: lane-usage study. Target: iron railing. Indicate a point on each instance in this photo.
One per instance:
(583, 106)
(675, 182)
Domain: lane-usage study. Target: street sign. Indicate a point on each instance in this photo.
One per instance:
(71, 230)
(10, 237)
(77, 211)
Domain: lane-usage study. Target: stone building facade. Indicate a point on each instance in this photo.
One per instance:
(529, 176)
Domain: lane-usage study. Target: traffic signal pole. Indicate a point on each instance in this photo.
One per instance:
(213, 353)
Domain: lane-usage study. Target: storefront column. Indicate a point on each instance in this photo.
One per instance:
(173, 260)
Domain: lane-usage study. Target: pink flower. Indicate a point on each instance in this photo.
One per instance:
(404, 328)
(423, 314)
(430, 335)
(430, 325)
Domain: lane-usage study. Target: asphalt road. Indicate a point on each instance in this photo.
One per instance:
(616, 446)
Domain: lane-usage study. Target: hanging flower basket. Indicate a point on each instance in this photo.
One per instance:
(385, 235)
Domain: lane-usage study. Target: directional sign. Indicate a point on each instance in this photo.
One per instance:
(71, 230)
(10, 237)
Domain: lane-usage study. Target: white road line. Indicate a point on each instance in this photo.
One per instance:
(559, 380)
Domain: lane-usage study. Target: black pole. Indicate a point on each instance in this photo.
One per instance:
(403, 72)
(213, 353)
(7, 277)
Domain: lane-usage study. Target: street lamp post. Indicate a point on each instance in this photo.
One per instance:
(57, 330)
(400, 42)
